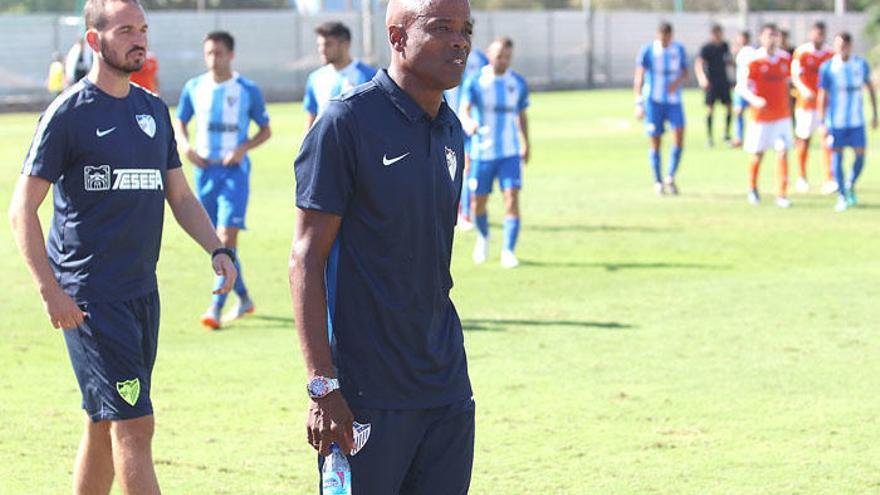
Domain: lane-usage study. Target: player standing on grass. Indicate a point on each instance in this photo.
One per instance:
(661, 71)
(494, 113)
(766, 90)
(841, 108)
(108, 147)
(223, 104)
(745, 52)
(375, 218)
(340, 71)
(711, 70)
(805, 77)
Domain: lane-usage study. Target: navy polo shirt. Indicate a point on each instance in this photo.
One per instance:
(394, 175)
(107, 158)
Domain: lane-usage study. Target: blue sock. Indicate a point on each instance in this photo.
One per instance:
(465, 208)
(858, 165)
(674, 160)
(239, 286)
(738, 127)
(511, 232)
(837, 170)
(482, 223)
(654, 156)
(219, 299)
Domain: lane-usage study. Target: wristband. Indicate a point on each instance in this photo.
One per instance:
(223, 250)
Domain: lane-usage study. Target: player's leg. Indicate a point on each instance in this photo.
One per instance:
(739, 125)
(229, 237)
(805, 126)
(676, 121)
(782, 131)
(133, 456)
(725, 99)
(93, 469)
(208, 185)
(710, 110)
(510, 179)
(837, 171)
(755, 144)
(830, 185)
(858, 166)
(484, 173)
(654, 126)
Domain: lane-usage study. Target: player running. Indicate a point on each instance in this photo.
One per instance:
(661, 71)
(805, 77)
(223, 103)
(711, 70)
(745, 52)
(841, 108)
(494, 113)
(107, 148)
(340, 71)
(766, 90)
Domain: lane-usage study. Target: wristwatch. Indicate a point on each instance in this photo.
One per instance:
(223, 250)
(320, 386)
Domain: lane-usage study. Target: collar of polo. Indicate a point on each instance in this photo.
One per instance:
(407, 106)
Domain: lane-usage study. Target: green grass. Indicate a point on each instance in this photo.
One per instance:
(688, 345)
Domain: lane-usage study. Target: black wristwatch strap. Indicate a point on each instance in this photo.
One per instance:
(224, 250)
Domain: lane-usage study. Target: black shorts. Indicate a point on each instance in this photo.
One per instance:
(718, 92)
(414, 452)
(112, 354)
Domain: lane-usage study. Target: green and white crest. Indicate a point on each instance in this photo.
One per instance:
(129, 390)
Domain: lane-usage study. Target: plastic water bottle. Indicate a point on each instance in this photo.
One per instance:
(336, 475)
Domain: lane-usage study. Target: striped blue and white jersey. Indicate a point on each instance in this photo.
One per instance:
(223, 113)
(496, 102)
(662, 67)
(844, 82)
(475, 61)
(327, 82)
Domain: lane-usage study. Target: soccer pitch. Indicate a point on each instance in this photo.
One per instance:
(686, 345)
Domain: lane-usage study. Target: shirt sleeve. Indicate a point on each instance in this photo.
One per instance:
(185, 108)
(257, 111)
(644, 58)
(866, 70)
(326, 165)
(310, 101)
(684, 57)
(825, 77)
(47, 156)
(523, 102)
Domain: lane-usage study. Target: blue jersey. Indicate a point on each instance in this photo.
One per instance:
(662, 67)
(475, 61)
(844, 83)
(327, 82)
(396, 337)
(496, 102)
(108, 158)
(223, 113)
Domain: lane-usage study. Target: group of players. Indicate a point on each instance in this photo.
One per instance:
(825, 82)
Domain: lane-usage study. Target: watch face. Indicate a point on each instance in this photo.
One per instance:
(318, 387)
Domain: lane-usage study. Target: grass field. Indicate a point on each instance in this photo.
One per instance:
(689, 345)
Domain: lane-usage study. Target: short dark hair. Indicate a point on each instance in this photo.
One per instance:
(716, 28)
(845, 37)
(664, 27)
(334, 29)
(745, 34)
(771, 26)
(93, 12)
(504, 41)
(819, 25)
(221, 37)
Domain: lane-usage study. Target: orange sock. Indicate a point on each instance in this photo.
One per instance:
(753, 172)
(828, 153)
(803, 148)
(782, 176)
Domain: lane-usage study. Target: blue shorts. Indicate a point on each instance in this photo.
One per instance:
(483, 173)
(223, 191)
(112, 354)
(852, 137)
(657, 114)
(740, 103)
(414, 452)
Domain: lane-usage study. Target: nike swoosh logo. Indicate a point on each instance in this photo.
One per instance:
(388, 163)
(100, 133)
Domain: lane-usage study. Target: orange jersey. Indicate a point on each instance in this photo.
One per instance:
(768, 78)
(146, 77)
(805, 66)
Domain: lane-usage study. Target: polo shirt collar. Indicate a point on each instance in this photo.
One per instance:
(407, 106)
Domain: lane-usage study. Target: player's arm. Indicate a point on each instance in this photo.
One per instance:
(524, 130)
(310, 119)
(329, 418)
(872, 95)
(681, 80)
(699, 70)
(745, 85)
(638, 81)
(185, 149)
(796, 73)
(191, 216)
(30, 191)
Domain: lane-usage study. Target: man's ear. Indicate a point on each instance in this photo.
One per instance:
(397, 37)
(93, 41)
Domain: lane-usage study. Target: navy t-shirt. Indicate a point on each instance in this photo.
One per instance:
(107, 158)
(394, 175)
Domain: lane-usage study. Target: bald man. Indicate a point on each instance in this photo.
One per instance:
(369, 267)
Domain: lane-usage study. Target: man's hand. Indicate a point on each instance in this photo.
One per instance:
(195, 159)
(758, 102)
(470, 126)
(234, 158)
(874, 123)
(63, 311)
(807, 94)
(640, 112)
(524, 153)
(329, 421)
(223, 267)
(673, 87)
(704, 83)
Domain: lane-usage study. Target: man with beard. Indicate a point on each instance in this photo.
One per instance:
(376, 209)
(108, 147)
(339, 73)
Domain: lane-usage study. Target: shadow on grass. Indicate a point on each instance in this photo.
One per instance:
(492, 325)
(615, 267)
